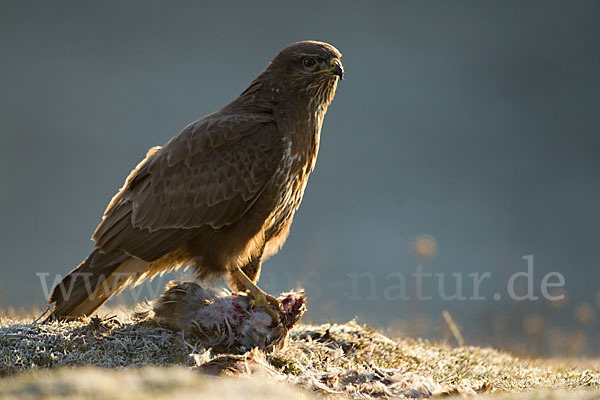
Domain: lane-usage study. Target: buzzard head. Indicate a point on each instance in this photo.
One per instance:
(308, 68)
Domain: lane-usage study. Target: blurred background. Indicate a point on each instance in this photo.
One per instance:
(465, 137)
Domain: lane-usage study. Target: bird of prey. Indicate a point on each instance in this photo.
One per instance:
(220, 196)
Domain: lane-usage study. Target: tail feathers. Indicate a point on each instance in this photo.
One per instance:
(90, 285)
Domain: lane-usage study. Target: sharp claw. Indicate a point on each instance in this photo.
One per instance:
(265, 301)
(273, 301)
(273, 314)
(259, 297)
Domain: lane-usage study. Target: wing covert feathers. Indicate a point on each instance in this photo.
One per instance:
(208, 175)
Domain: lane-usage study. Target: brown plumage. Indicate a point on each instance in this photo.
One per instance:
(220, 195)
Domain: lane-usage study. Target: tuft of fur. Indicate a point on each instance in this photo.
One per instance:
(224, 322)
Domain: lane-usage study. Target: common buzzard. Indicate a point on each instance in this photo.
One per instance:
(220, 196)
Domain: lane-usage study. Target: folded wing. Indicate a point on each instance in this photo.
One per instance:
(208, 176)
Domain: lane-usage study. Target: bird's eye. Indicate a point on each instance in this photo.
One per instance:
(309, 62)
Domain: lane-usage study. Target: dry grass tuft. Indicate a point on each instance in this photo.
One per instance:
(108, 343)
(347, 359)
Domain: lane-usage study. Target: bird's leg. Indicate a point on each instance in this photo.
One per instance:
(251, 270)
(259, 297)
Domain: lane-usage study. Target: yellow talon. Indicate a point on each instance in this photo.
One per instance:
(266, 301)
(259, 297)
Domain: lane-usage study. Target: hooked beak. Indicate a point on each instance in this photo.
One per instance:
(336, 67)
